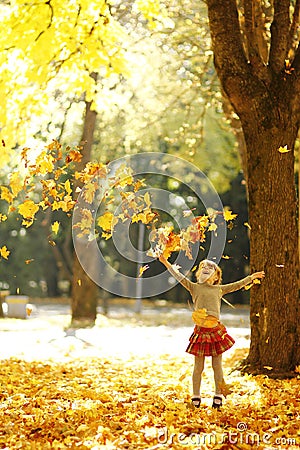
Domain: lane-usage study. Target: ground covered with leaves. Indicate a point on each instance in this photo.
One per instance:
(141, 403)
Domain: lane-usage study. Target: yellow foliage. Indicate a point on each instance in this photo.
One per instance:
(4, 252)
(228, 215)
(28, 209)
(6, 194)
(140, 403)
(16, 183)
(55, 227)
(107, 221)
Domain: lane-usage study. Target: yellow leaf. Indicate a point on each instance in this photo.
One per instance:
(4, 252)
(6, 194)
(124, 176)
(228, 215)
(3, 217)
(284, 149)
(55, 227)
(89, 192)
(16, 183)
(28, 261)
(147, 199)
(68, 187)
(28, 209)
(107, 221)
(199, 314)
(247, 225)
(44, 163)
(143, 269)
(213, 227)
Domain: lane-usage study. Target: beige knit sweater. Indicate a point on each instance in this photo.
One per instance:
(208, 296)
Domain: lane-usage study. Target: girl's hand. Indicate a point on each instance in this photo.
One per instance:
(259, 275)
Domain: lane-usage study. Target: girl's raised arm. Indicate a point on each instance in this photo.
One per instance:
(176, 274)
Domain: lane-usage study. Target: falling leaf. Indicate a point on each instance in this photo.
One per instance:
(228, 215)
(225, 389)
(28, 310)
(28, 261)
(4, 252)
(247, 225)
(212, 227)
(16, 183)
(79, 282)
(188, 212)
(284, 149)
(6, 194)
(226, 257)
(28, 209)
(143, 269)
(55, 227)
(107, 221)
(74, 155)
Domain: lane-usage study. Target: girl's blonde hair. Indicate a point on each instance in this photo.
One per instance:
(218, 271)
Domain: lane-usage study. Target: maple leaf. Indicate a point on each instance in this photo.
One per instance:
(124, 176)
(55, 227)
(107, 221)
(198, 315)
(212, 227)
(284, 149)
(16, 183)
(28, 209)
(88, 192)
(6, 194)
(86, 222)
(74, 155)
(4, 252)
(228, 215)
(44, 163)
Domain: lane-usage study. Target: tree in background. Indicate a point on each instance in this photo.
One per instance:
(46, 79)
(257, 58)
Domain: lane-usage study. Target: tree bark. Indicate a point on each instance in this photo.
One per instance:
(266, 98)
(84, 290)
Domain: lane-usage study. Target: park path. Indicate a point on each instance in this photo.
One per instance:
(157, 331)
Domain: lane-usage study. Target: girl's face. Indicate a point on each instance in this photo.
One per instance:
(207, 272)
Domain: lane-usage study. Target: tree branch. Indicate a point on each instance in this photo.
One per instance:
(251, 33)
(294, 30)
(226, 37)
(279, 35)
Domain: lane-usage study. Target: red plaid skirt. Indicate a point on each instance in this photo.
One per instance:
(209, 341)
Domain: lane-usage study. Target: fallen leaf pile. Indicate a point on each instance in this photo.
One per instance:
(141, 403)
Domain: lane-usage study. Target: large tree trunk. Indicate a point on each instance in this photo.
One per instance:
(84, 290)
(273, 248)
(267, 100)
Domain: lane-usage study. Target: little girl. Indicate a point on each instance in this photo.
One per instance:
(210, 337)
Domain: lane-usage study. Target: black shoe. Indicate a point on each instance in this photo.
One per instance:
(196, 401)
(217, 401)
